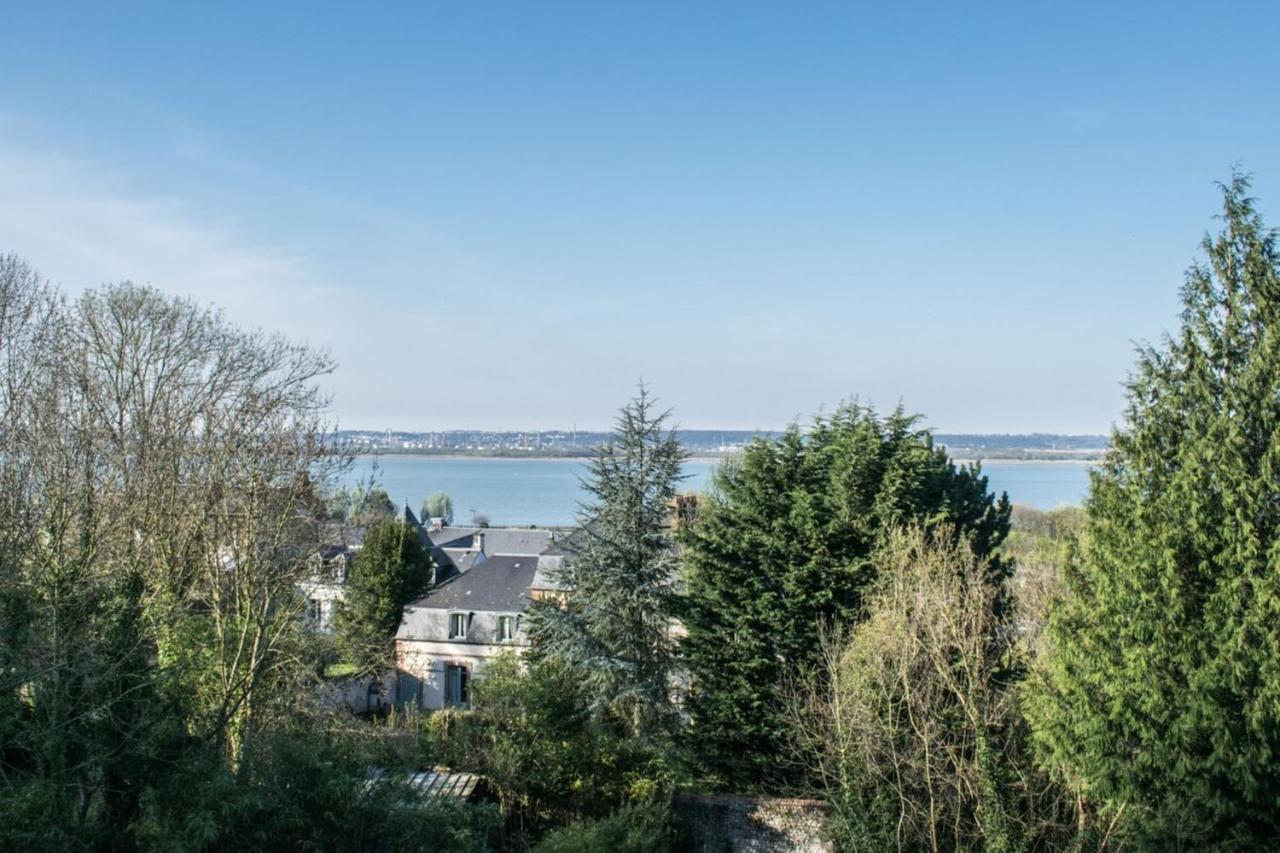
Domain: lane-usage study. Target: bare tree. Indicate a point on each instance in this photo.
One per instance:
(911, 719)
(161, 474)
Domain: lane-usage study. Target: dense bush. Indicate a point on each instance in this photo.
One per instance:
(303, 791)
(549, 758)
(633, 828)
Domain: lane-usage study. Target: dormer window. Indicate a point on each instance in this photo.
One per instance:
(506, 629)
(457, 626)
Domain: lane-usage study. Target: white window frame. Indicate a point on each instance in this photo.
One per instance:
(507, 627)
(463, 621)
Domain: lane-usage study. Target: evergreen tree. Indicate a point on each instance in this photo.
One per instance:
(390, 570)
(614, 624)
(1160, 694)
(782, 547)
(373, 506)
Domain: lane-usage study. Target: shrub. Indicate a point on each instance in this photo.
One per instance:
(634, 828)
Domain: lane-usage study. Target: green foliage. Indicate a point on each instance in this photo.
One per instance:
(614, 626)
(390, 570)
(1159, 697)
(362, 504)
(634, 828)
(781, 547)
(160, 473)
(373, 507)
(303, 791)
(438, 505)
(549, 759)
(912, 722)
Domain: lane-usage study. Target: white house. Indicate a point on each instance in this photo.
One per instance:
(324, 587)
(485, 581)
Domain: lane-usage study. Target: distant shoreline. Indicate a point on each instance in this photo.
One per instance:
(488, 457)
(491, 457)
(985, 462)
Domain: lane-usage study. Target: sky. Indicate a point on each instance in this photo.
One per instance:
(506, 215)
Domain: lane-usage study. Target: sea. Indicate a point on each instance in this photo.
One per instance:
(547, 492)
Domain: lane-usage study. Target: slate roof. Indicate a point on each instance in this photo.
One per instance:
(547, 577)
(339, 533)
(499, 583)
(497, 540)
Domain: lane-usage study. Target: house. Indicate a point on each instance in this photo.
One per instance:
(485, 580)
(323, 586)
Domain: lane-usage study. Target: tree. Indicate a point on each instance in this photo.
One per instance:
(549, 757)
(910, 722)
(1159, 696)
(438, 505)
(782, 547)
(614, 625)
(373, 506)
(158, 475)
(390, 570)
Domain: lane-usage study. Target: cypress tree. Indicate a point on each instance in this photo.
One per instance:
(613, 627)
(1159, 698)
(782, 547)
(390, 570)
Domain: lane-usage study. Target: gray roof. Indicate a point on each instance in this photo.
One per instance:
(497, 540)
(341, 533)
(498, 583)
(547, 575)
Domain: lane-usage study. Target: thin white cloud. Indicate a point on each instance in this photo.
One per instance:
(73, 221)
(80, 226)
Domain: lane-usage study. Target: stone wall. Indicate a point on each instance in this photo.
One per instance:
(729, 824)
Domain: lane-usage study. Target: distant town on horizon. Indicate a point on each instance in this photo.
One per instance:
(568, 443)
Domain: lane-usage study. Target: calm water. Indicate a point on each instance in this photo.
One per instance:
(546, 491)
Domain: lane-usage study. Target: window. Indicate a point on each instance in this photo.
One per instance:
(313, 610)
(455, 686)
(506, 629)
(457, 626)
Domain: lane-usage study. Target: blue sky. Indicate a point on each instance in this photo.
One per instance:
(504, 215)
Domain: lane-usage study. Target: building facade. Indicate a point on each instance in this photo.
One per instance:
(476, 610)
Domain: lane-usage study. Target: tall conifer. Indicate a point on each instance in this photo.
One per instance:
(614, 624)
(1160, 695)
(782, 547)
(390, 570)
